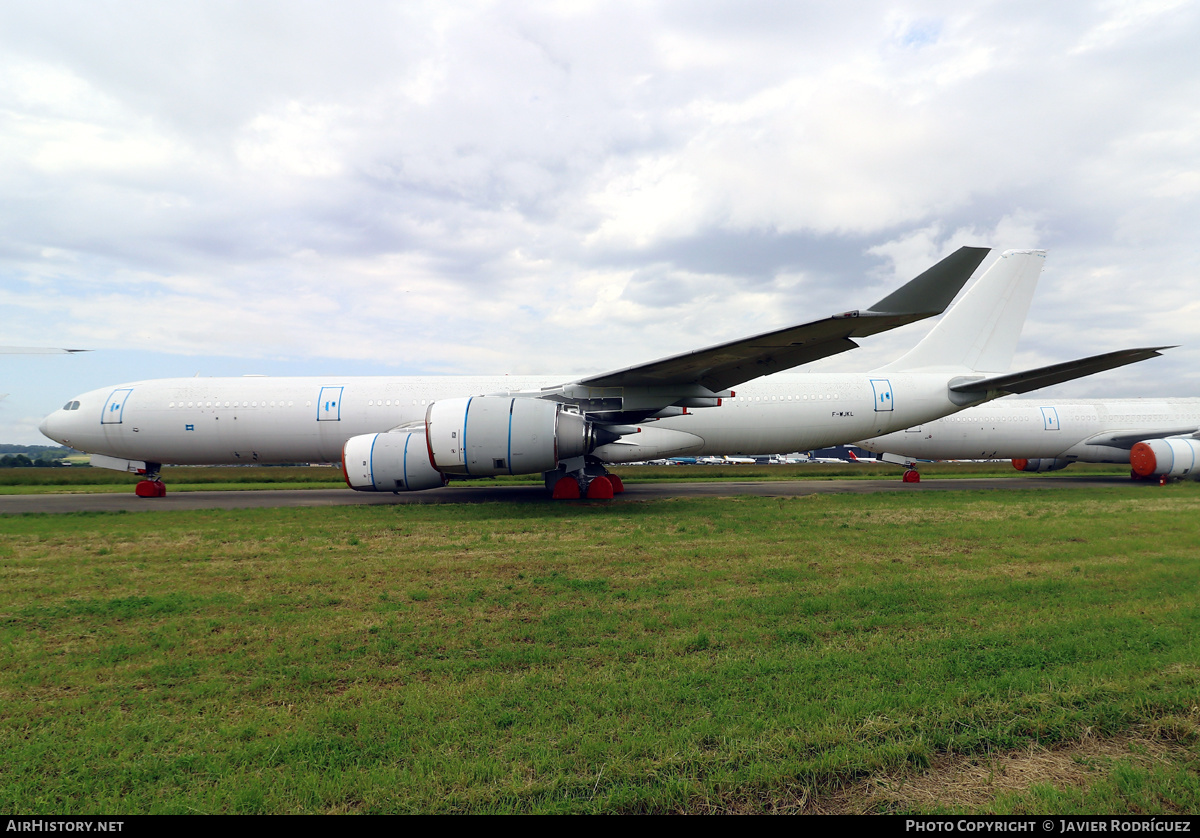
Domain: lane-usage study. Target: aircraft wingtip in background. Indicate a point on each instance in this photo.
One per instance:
(37, 350)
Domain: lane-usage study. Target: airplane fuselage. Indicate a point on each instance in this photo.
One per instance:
(309, 419)
(1064, 430)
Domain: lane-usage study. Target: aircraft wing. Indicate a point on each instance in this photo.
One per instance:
(724, 365)
(1128, 439)
(1012, 383)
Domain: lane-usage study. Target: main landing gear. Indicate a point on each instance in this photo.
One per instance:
(152, 486)
(591, 481)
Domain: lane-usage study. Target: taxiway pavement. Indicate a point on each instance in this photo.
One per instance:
(291, 498)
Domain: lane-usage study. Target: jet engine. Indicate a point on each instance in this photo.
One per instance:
(393, 462)
(484, 436)
(1170, 457)
(1040, 465)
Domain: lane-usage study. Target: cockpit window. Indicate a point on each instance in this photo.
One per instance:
(73, 405)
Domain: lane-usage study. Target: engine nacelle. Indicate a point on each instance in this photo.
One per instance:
(1040, 465)
(1172, 457)
(484, 436)
(393, 462)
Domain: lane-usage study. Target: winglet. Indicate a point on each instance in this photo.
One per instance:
(934, 289)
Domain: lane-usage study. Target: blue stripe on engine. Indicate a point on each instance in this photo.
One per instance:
(463, 442)
(404, 459)
(371, 460)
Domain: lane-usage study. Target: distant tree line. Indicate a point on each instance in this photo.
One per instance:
(36, 456)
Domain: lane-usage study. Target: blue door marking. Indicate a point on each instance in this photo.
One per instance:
(883, 394)
(114, 408)
(1050, 419)
(329, 405)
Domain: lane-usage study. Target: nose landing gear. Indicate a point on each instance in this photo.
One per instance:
(152, 486)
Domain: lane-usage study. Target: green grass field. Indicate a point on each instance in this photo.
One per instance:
(947, 652)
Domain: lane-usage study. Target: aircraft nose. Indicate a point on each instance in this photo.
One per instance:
(44, 427)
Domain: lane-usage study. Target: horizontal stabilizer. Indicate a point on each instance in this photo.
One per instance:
(1035, 379)
(727, 364)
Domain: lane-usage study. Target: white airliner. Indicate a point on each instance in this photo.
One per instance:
(1158, 437)
(400, 434)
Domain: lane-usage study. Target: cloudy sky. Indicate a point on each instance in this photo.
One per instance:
(486, 187)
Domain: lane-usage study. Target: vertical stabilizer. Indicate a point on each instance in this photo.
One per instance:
(980, 332)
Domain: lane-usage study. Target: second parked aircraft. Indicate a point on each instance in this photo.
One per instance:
(1157, 437)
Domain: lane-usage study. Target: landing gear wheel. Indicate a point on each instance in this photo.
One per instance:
(912, 476)
(599, 489)
(567, 488)
(617, 486)
(150, 489)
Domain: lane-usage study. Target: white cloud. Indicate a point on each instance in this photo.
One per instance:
(582, 185)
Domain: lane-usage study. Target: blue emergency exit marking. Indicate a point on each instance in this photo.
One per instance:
(189, 427)
(327, 404)
(883, 394)
(113, 414)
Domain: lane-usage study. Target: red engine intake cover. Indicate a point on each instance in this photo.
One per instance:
(1142, 460)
